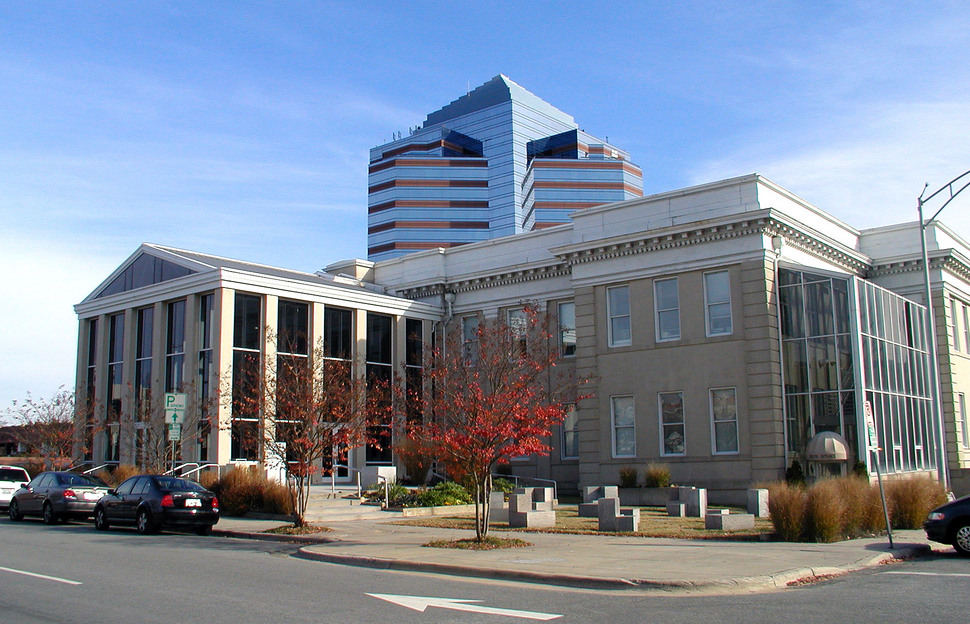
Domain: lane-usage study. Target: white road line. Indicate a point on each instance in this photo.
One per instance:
(41, 576)
(958, 574)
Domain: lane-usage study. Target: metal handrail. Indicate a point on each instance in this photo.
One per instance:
(97, 468)
(198, 467)
(515, 478)
(357, 472)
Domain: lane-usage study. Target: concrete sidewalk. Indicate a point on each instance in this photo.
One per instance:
(594, 561)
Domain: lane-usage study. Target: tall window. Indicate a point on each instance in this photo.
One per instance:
(724, 420)
(175, 347)
(206, 327)
(338, 333)
(966, 327)
(570, 434)
(717, 300)
(143, 379)
(567, 328)
(469, 339)
(518, 325)
(672, 423)
(246, 373)
(293, 373)
(667, 301)
(116, 354)
(91, 386)
(956, 325)
(413, 367)
(618, 312)
(379, 380)
(623, 415)
(964, 425)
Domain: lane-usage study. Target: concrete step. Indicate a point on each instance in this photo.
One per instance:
(324, 515)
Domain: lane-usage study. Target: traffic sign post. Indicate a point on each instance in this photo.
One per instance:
(872, 442)
(174, 416)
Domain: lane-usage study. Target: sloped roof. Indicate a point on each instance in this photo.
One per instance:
(496, 91)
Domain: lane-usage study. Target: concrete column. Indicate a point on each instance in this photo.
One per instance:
(223, 308)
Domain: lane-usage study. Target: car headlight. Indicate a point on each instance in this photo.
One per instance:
(935, 515)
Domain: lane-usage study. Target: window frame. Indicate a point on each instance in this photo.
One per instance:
(658, 310)
(663, 425)
(564, 330)
(714, 421)
(613, 427)
(610, 316)
(571, 414)
(708, 304)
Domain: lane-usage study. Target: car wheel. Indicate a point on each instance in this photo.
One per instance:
(144, 524)
(101, 520)
(49, 516)
(203, 530)
(14, 511)
(961, 538)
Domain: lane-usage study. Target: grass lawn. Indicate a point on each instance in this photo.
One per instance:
(654, 522)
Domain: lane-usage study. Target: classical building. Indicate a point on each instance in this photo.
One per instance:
(725, 328)
(496, 161)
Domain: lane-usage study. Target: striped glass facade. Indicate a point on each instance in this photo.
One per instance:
(494, 162)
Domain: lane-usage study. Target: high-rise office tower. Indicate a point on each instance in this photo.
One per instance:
(496, 161)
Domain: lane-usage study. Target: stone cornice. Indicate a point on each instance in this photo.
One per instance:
(757, 224)
(939, 260)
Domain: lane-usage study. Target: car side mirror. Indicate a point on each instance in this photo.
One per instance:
(111, 492)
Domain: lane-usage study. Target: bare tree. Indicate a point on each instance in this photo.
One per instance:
(47, 427)
(309, 407)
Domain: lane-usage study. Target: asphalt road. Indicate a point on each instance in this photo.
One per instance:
(73, 574)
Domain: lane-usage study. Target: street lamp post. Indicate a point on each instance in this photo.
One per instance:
(964, 179)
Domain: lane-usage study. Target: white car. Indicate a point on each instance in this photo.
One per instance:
(12, 478)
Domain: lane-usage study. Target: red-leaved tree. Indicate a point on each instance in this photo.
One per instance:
(489, 395)
(46, 427)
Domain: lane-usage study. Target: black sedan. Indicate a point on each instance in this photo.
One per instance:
(56, 496)
(950, 524)
(151, 502)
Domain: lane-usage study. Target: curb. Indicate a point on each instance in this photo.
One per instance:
(780, 580)
(273, 537)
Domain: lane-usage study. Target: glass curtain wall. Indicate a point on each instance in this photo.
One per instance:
(115, 391)
(92, 393)
(206, 327)
(246, 373)
(897, 381)
(338, 341)
(820, 358)
(379, 379)
(143, 381)
(294, 375)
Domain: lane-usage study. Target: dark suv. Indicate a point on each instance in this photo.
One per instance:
(950, 524)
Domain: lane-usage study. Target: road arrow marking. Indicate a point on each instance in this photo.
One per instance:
(420, 603)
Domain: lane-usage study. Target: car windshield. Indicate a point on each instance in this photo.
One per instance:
(79, 480)
(173, 483)
(13, 474)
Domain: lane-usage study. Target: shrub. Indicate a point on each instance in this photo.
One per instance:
(445, 493)
(505, 486)
(241, 490)
(628, 477)
(119, 474)
(787, 505)
(910, 500)
(657, 475)
(416, 461)
(276, 499)
(826, 510)
(863, 507)
(859, 470)
(795, 475)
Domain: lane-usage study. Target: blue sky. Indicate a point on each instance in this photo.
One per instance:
(242, 128)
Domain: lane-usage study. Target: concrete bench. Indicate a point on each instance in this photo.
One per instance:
(525, 512)
(614, 518)
(724, 520)
(591, 494)
(676, 509)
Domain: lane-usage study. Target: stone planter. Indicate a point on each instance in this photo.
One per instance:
(645, 497)
(444, 510)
